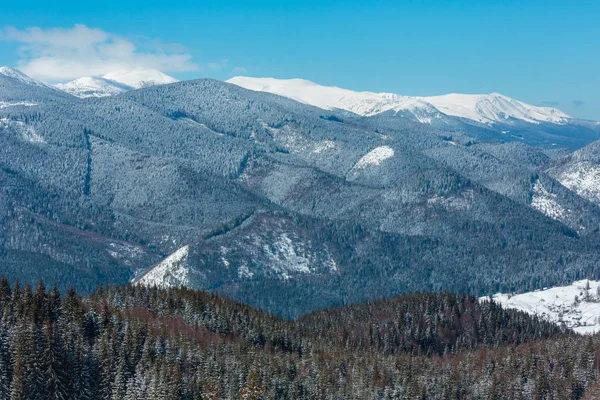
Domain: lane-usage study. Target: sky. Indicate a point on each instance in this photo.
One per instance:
(540, 52)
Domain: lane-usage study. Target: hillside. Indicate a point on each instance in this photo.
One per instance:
(137, 342)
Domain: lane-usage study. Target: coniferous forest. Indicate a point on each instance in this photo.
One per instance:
(135, 342)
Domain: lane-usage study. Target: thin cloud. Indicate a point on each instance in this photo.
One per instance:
(218, 65)
(578, 103)
(239, 70)
(58, 54)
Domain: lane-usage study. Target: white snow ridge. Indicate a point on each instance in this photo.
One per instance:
(114, 83)
(482, 108)
(170, 272)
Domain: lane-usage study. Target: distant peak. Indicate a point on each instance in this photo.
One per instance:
(483, 108)
(139, 78)
(13, 73)
(18, 75)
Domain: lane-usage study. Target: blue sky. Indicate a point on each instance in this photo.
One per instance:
(541, 52)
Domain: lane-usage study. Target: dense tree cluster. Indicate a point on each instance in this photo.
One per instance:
(134, 342)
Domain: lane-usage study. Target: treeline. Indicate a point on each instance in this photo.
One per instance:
(145, 343)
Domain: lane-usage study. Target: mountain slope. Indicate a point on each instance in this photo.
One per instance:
(580, 172)
(277, 203)
(18, 90)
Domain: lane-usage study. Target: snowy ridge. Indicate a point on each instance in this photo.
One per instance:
(115, 83)
(170, 272)
(93, 87)
(494, 107)
(140, 78)
(486, 108)
(18, 75)
(576, 305)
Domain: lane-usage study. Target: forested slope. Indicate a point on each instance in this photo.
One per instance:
(135, 342)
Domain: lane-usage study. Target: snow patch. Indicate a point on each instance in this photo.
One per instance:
(546, 203)
(5, 104)
(375, 157)
(575, 305)
(26, 132)
(584, 179)
(285, 257)
(323, 146)
(170, 272)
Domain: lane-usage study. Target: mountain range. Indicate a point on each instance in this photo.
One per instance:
(282, 204)
(482, 115)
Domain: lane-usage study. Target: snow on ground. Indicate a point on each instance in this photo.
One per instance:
(584, 179)
(286, 258)
(26, 132)
(575, 305)
(5, 104)
(375, 157)
(170, 272)
(546, 203)
(323, 146)
(483, 108)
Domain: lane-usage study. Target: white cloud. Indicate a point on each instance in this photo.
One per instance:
(239, 70)
(59, 54)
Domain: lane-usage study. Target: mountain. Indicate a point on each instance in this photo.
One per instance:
(495, 115)
(140, 78)
(19, 90)
(487, 109)
(115, 83)
(21, 77)
(93, 87)
(283, 205)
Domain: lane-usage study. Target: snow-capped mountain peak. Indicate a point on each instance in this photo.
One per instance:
(140, 78)
(494, 107)
(18, 75)
(115, 83)
(486, 108)
(93, 87)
